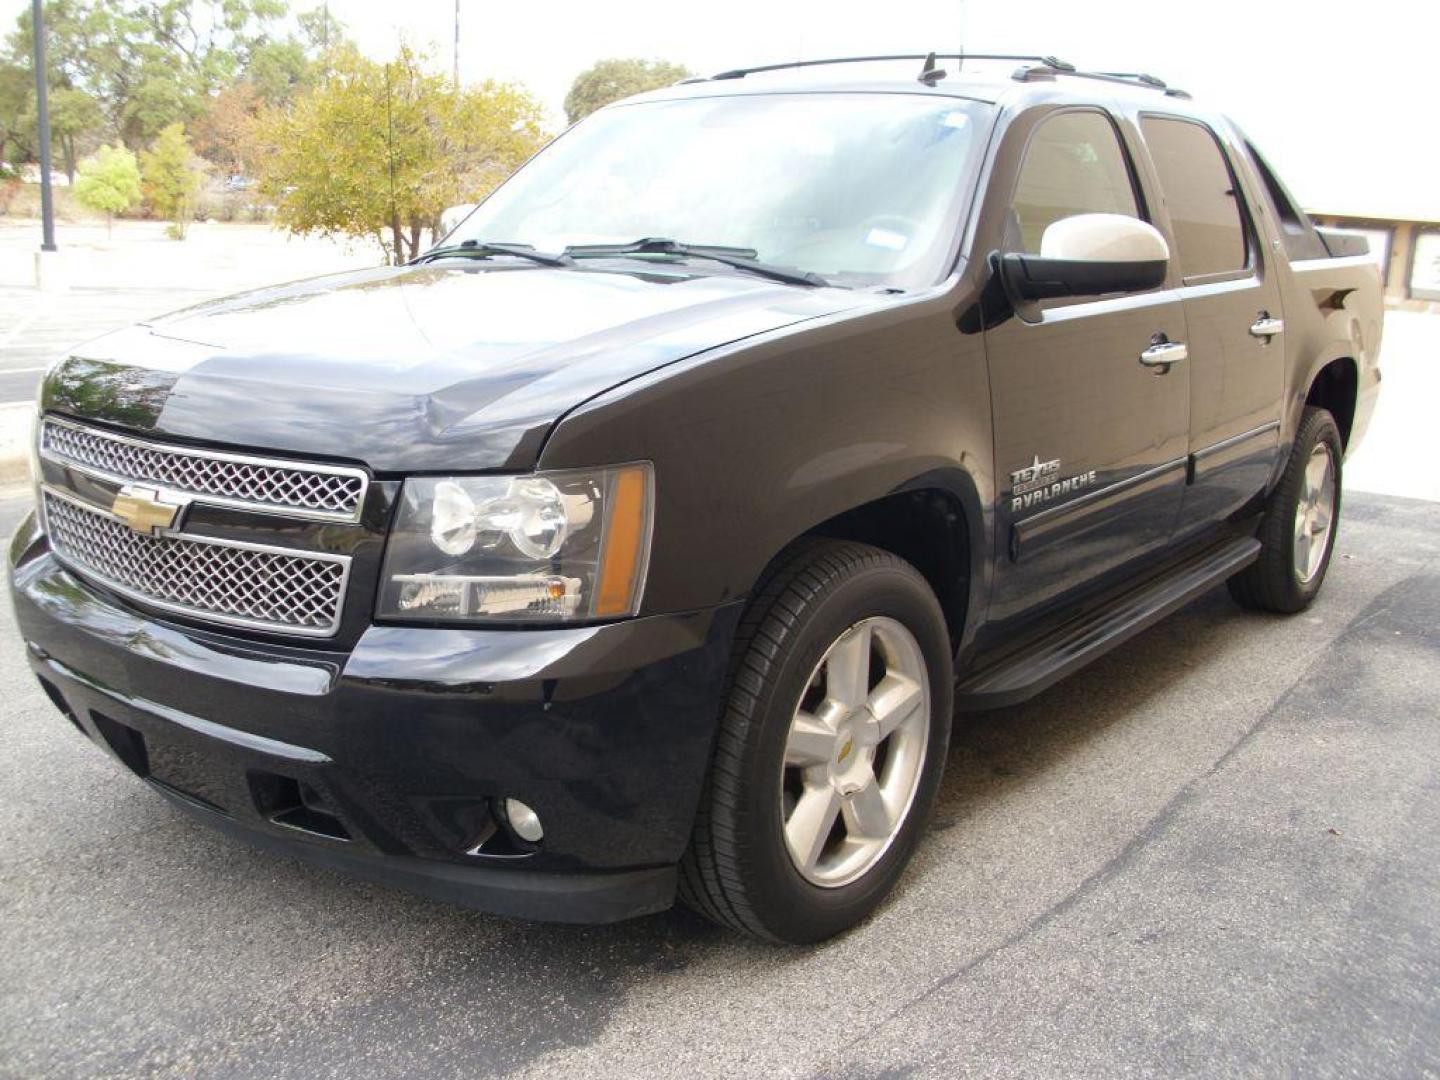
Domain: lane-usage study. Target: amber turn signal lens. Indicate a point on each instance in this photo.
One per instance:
(625, 540)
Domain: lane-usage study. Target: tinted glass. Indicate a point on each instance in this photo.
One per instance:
(1296, 229)
(863, 188)
(1073, 165)
(1200, 195)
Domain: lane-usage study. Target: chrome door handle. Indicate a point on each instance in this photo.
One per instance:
(1164, 353)
(1267, 326)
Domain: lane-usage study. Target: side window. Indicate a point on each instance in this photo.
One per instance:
(1297, 231)
(1073, 165)
(1200, 196)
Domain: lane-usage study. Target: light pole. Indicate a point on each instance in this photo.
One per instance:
(42, 106)
(457, 43)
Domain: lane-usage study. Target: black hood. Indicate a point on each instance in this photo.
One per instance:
(416, 368)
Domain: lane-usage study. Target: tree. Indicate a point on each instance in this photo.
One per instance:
(14, 98)
(225, 132)
(379, 150)
(75, 121)
(127, 69)
(75, 117)
(102, 49)
(210, 42)
(611, 80)
(321, 30)
(278, 70)
(156, 96)
(171, 180)
(109, 182)
(281, 69)
(150, 63)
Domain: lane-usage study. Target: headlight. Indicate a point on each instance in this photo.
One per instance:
(560, 546)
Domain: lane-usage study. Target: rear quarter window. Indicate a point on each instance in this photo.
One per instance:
(1297, 231)
(1200, 195)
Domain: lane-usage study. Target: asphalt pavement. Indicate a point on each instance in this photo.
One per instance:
(116, 277)
(1215, 852)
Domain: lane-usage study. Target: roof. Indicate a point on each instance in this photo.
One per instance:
(976, 78)
(1352, 193)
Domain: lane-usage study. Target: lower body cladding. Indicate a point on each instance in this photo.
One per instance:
(394, 761)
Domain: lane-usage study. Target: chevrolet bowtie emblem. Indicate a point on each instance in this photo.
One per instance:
(146, 510)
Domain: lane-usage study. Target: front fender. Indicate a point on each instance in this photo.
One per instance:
(756, 444)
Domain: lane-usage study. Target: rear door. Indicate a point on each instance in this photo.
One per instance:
(1089, 442)
(1233, 314)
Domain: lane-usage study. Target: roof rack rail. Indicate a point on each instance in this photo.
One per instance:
(1030, 72)
(1032, 67)
(1147, 80)
(740, 73)
(1138, 76)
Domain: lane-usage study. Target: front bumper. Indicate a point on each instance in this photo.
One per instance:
(389, 760)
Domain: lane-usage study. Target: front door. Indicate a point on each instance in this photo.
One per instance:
(1090, 443)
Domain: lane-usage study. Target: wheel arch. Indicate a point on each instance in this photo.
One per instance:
(1335, 385)
(935, 522)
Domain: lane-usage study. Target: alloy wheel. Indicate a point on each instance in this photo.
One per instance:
(1314, 513)
(855, 752)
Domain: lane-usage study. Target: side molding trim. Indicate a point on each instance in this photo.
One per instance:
(1051, 524)
(1228, 450)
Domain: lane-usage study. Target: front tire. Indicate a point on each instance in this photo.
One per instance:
(830, 748)
(1297, 533)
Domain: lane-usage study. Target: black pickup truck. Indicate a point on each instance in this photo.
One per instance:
(648, 535)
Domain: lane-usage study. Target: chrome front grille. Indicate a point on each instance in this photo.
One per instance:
(222, 581)
(323, 492)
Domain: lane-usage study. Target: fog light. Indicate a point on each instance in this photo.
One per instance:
(524, 821)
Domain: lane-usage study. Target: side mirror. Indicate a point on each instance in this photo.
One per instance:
(1089, 255)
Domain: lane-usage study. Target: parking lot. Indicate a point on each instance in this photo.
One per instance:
(134, 272)
(1215, 852)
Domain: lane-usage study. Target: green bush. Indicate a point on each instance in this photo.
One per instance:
(172, 182)
(9, 187)
(108, 182)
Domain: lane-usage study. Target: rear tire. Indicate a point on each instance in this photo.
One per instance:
(826, 766)
(1297, 533)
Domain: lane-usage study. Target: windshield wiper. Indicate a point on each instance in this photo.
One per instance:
(483, 248)
(738, 257)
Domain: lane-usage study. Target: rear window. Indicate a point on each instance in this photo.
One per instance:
(1200, 195)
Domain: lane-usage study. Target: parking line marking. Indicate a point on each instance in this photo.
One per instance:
(19, 328)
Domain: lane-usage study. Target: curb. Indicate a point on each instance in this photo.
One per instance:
(17, 426)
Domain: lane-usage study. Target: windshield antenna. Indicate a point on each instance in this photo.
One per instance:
(930, 74)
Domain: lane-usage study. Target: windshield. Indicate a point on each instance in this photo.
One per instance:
(864, 189)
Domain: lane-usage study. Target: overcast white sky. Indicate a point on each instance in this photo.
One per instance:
(1340, 94)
